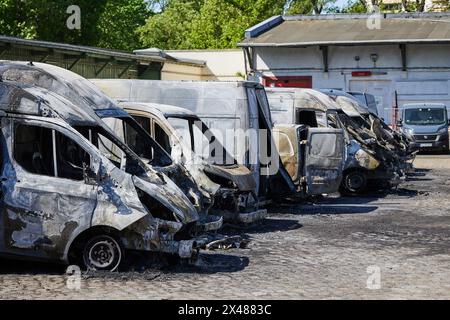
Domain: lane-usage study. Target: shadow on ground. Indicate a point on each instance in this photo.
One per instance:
(23, 267)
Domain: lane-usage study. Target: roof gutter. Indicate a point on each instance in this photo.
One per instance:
(263, 26)
(156, 52)
(344, 43)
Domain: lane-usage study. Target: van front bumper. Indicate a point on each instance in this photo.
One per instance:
(185, 249)
(431, 142)
(251, 217)
(209, 223)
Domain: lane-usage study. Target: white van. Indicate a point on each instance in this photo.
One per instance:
(236, 112)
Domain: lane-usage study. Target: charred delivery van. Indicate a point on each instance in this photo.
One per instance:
(314, 109)
(84, 95)
(62, 199)
(236, 112)
(188, 139)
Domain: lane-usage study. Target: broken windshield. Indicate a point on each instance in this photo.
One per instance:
(425, 116)
(138, 140)
(194, 132)
(122, 157)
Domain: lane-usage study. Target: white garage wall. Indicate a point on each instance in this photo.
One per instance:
(427, 78)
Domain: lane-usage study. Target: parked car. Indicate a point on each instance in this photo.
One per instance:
(84, 95)
(63, 199)
(190, 142)
(428, 123)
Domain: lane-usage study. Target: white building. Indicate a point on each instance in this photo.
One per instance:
(399, 58)
(224, 65)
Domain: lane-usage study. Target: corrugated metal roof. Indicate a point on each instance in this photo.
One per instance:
(349, 30)
(94, 51)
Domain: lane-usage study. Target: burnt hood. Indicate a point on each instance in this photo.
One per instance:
(240, 175)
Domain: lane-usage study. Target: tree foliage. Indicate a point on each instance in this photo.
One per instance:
(105, 23)
(13, 19)
(215, 24)
(166, 24)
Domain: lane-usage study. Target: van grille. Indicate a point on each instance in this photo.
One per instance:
(426, 137)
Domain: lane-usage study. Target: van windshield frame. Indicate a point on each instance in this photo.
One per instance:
(425, 116)
(196, 123)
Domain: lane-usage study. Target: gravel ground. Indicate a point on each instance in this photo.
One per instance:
(392, 245)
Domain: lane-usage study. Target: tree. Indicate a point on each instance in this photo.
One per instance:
(352, 6)
(222, 23)
(308, 6)
(105, 23)
(170, 28)
(50, 18)
(119, 22)
(200, 24)
(14, 19)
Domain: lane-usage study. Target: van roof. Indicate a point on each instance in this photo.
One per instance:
(65, 83)
(424, 104)
(164, 109)
(25, 99)
(324, 104)
(349, 103)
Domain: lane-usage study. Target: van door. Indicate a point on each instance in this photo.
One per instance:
(280, 183)
(324, 160)
(48, 195)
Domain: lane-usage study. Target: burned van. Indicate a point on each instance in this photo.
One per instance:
(315, 109)
(396, 140)
(84, 95)
(188, 139)
(236, 112)
(64, 200)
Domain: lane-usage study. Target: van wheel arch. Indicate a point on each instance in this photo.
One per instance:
(75, 252)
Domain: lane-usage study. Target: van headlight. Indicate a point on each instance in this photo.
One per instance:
(443, 131)
(408, 131)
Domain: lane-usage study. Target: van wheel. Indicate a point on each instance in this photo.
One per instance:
(354, 182)
(103, 253)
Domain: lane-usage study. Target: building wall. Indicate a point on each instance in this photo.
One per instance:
(220, 65)
(427, 77)
(87, 66)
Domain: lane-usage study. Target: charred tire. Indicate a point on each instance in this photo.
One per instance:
(102, 253)
(354, 182)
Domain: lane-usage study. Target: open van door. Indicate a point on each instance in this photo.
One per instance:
(324, 152)
(280, 183)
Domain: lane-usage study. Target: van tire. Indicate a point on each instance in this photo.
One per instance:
(354, 182)
(102, 253)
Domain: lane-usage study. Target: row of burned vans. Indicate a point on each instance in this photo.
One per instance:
(327, 139)
(157, 166)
